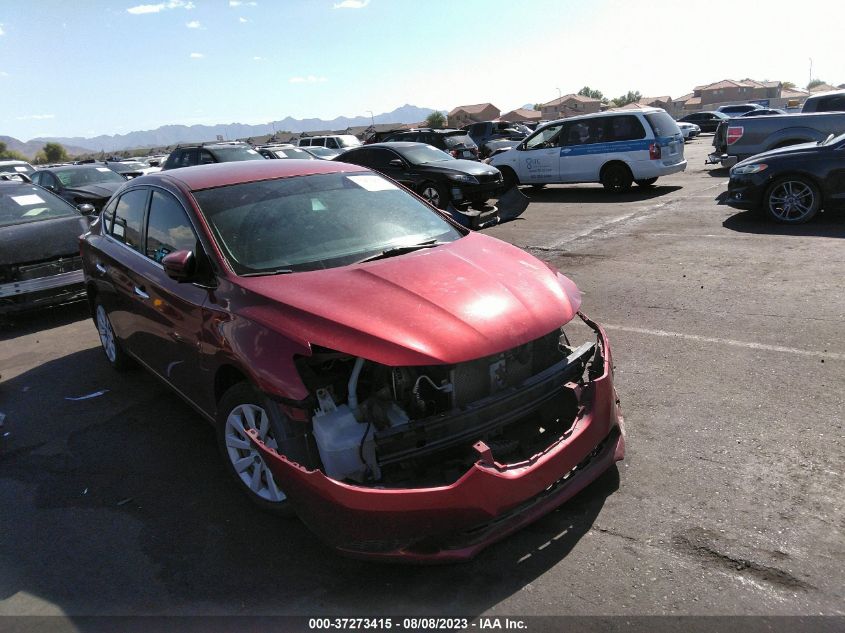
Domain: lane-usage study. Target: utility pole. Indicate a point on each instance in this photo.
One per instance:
(811, 73)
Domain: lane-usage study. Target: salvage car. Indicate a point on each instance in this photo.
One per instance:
(408, 387)
(80, 184)
(39, 259)
(791, 184)
(707, 121)
(688, 130)
(439, 178)
(284, 151)
(187, 155)
(16, 167)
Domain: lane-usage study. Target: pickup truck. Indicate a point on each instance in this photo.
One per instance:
(741, 138)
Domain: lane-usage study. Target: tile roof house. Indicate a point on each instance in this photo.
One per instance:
(521, 114)
(822, 88)
(569, 105)
(729, 90)
(464, 115)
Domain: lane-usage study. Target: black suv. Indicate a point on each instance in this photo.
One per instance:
(206, 153)
(491, 136)
(454, 142)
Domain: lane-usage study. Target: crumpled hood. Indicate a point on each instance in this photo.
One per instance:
(99, 190)
(457, 302)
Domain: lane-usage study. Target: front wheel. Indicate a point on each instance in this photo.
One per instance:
(646, 182)
(616, 178)
(117, 358)
(434, 195)
(509, 178)
(792, 200)
(241, 409)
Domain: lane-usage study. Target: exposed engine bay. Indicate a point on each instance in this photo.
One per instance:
(418, 426)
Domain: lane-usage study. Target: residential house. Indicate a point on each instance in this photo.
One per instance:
(822, 88)
(522, 115)
(569, 105)
(464, 115)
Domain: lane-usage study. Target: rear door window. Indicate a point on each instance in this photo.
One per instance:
(628, 128)
(168, 228)
(129, 218)
(662, 124)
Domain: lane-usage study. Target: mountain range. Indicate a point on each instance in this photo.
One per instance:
(172, 134)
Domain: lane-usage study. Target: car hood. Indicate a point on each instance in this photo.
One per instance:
(42, 239)
(471, 167)
(801, 148)
(98, 190)
(449, 304)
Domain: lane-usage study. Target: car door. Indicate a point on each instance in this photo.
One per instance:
(581, 150)
(538, 160)
(170, 314)
(381, 159)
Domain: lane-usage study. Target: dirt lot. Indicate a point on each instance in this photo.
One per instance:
(729, 340)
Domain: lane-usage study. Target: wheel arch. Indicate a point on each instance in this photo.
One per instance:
(615, 161)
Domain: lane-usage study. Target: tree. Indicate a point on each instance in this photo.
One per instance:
(55, 153)
(586, 91)
(539, 106)
(631, 97)
(815, 82)
(788, 84)
(435, 120)
(10, 154)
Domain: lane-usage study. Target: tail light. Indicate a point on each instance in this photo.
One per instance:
(454, 153)
(735, 133)
(654, 151)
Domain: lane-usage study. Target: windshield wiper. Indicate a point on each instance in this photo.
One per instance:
(400, 250)
(262, 273)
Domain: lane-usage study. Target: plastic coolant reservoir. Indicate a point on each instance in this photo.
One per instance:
(339, 436)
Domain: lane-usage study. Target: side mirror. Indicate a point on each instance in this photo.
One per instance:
(398, 163)
(180, 266)
(86, 209)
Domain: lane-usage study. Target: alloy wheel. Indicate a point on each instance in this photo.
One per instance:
(792, 201)
(106, 334)
(246, 461)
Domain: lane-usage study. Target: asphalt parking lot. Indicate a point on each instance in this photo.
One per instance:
(728, 336)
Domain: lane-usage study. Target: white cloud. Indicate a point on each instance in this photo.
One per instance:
(310, 79)
(243, 20)
(2, 32)
(3, 73)
(241, 3)
(36, 117)
(258, 59)
(197, 55)
(161, 6)
(193, 24)
(352, 4)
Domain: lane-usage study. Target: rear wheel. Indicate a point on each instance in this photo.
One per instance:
(646, 182)
(617, 178)
(241, 409)
(792, 200)
(434, 195)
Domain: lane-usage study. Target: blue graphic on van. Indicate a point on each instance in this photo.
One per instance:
(614, 146)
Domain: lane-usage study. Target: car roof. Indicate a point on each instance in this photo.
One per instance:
(393, 145)
(71, 167)
(209, 176)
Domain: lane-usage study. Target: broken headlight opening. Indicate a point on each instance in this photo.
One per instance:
(417, 426)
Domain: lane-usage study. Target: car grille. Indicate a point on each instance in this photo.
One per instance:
(48, 268)
(487, 178)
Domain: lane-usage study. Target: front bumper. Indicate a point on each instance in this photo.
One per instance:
(17, 296)
(487, 503)
(475, 193)
(746, 192)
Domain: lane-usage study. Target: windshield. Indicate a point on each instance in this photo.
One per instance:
(458, 141)
(347, 140)
(316, 222)
(124, 167)
(322, 151)
(662, 124)
(236, 152)
(293, 152)
(16, 168)
(424, 154)
(28, 203)
(86, 176)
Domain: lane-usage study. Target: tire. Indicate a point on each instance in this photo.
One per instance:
(434, 194)
(240, 408)
(646, 182)
(616, 177)
(509, 178)
(114, 353)
(792, 200)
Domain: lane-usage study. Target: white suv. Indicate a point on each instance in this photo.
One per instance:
(339, 142)
(614, 148)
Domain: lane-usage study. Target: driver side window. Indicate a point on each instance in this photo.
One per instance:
(547, 137)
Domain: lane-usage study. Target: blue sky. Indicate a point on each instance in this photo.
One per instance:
(93, 67)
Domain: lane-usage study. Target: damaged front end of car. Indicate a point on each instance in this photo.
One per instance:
(435, 463)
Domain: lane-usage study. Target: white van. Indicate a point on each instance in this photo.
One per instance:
(613, 148)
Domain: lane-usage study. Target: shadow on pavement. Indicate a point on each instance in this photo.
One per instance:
(122, 506)
(597, 195)
(825, 224)
(15, 325)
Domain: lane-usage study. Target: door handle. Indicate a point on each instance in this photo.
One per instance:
(100, 268)
(140, 292)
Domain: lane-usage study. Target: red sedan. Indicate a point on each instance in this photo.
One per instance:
(405, 386)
